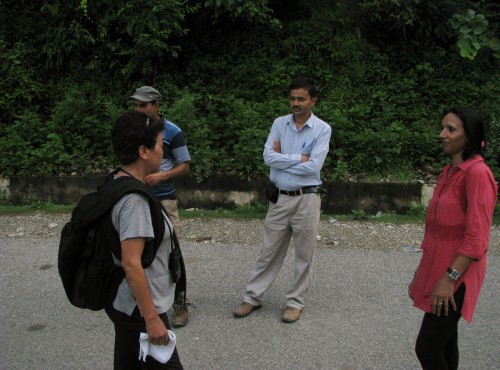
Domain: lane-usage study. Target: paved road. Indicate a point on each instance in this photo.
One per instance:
(357, 316)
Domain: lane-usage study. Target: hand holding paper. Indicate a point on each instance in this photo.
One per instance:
(159, 352)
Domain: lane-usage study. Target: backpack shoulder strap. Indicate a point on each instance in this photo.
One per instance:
(112, 192)
(94, 205)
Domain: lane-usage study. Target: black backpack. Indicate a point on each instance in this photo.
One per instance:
(88, 273)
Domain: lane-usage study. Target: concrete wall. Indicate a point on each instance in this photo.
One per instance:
(225, 192)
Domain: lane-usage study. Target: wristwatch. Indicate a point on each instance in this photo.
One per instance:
(452, 273)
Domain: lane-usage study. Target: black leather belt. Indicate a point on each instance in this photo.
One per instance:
(305, 190)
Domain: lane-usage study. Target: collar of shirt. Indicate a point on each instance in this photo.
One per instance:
(464, 166)
(309, 121)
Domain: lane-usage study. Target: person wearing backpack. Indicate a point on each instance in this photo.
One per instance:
(175, 164)
(146, 293)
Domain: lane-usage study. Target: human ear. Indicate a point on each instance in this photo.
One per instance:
(142, 152)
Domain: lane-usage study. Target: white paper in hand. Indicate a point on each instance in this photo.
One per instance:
(160, 352)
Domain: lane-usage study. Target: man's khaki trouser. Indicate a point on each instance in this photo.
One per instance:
(173, 213)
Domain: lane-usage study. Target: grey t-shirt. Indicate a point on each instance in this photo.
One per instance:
(132, 219)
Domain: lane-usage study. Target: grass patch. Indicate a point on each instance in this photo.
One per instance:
(41, 207)
(384, 218)
(257, 211)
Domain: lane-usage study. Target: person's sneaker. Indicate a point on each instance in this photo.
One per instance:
(180, 317)
(291, 314)
(245, 309)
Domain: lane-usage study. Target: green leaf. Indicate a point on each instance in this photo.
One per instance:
(455, 22)
(480, 28)
(465, 29)
(471, 13)
(494, 44)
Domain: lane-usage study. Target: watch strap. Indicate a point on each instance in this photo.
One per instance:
(453, 274)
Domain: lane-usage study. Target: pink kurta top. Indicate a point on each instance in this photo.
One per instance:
(458, 222)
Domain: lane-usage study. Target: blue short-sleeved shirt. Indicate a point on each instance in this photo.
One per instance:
(175, 151)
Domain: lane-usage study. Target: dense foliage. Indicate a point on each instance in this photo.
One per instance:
(385, 69)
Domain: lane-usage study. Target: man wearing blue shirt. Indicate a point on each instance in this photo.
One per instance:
(175, 163)
(295, 151)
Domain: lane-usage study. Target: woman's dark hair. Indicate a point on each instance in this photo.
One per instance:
(132, 130)
(474, 129)
(304, 83)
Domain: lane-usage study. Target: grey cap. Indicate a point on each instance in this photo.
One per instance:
(146, 94)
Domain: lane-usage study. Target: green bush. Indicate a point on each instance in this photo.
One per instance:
(223, 134)
(417, 210)
(384, 72)
(201, 142)
(31, 149)
(83, 117)
(75, 138)
(19, 82)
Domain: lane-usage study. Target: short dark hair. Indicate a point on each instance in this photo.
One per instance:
(474, 130)
(132, 130)
(304, 83)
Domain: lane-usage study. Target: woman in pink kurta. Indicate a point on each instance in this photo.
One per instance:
(449, 277)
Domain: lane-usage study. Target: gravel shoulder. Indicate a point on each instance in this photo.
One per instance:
(344, 235)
